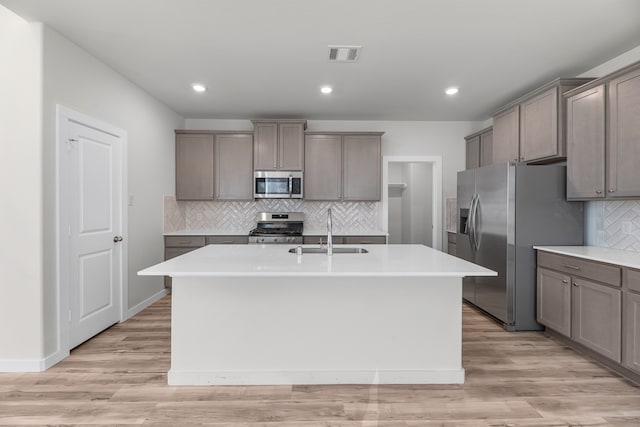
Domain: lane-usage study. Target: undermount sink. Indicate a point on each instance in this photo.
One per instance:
(335, 250)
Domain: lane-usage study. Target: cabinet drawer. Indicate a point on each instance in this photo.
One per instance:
(365, 240)
(451, 248)
(227, 240)
(579, 267)
(451, 238)
(316, 240)
(632, 278)
(174, 252)
(184, 241)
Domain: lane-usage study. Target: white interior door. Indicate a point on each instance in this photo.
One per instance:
(95, 231)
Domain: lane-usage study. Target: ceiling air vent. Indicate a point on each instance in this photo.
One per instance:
(344, 53)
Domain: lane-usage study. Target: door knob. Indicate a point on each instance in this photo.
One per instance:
(117, 239)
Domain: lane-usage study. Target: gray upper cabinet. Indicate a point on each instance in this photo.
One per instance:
(586, 144)
(486, 147)
(624, 135)
(506, 135)
(473, 152)
(343, 166)
(234, 167)
(603, 137)
(323, 167)
(479, 148)
(265, 154)
(361, 167)
(531, 129)
(194, 167)
(279, 144)
(539, 127)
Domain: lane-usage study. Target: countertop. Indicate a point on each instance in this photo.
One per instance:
(276, 261)
(596, 253)
(219, 232)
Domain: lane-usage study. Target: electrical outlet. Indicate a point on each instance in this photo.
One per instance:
(627, 226)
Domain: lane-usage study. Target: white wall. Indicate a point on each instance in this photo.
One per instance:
(77, 80)
(401, 138)
(21, 321)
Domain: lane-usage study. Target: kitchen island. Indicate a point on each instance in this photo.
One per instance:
(257, 314)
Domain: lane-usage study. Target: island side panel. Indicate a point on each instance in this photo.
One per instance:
(316, 330)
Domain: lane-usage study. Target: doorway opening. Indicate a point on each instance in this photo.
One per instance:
(412, 189)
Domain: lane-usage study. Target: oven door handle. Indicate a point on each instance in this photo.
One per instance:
(290, 185)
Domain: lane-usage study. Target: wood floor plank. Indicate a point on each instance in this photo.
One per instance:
(512, 379)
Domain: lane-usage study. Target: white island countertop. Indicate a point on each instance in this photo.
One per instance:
(276, 261)
(596, 253)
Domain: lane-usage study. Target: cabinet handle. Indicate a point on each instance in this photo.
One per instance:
(598, 191)
(565, 281)
(575, 284)
(573, 267)
(611, 190)
(227, 241)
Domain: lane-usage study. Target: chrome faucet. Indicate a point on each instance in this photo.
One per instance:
(329, 233)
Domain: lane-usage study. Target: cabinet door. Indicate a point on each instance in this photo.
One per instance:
(632, 332)
(265, 150)
(323, 170)
(586, 144)
(624, 136)
(554, 301)
(361, 167)
(506, 136)
(291, 146)
(473, 153)
(486, 148)
(194, 167)
(234, 167)
(596, 317)
(539, 127)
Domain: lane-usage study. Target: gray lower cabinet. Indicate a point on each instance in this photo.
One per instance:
(631, 332)
(452, 240)
(179, 245)
(343, 166)
(596, 317)
(582, 299)
(195, 167)
(603, 131)
(554, 300)
(346, 240)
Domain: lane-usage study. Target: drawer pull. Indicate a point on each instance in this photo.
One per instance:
(575, 284)
(573, 267)
(565, 281)
(228, 241)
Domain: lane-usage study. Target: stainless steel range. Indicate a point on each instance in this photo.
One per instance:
(278, 228)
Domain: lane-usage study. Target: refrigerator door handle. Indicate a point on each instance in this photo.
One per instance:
(470, 222)
(476, 242)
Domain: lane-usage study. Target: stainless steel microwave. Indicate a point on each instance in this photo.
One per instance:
(277, 185)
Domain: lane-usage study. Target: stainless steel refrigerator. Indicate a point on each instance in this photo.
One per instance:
(503, 210)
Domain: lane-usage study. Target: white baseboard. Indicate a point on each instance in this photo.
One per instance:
(453, 376)
(146, 303)
(32, 365)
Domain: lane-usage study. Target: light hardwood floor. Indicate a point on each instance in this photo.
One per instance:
(513, 379)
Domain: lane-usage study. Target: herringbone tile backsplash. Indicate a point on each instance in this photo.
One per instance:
(353, 217)
(617, 224)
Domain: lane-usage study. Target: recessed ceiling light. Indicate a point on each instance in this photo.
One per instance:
(198, 87)
(326, 90)
(451, 90)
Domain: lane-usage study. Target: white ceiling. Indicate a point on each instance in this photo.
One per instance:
(268, 58)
